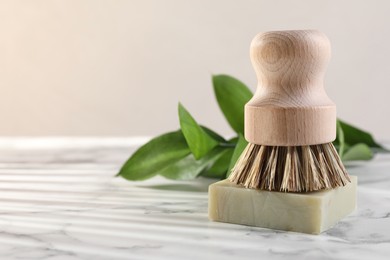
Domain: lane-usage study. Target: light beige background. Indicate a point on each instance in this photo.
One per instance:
(120, 67)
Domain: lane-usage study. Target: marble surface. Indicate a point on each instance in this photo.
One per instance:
(59, 200)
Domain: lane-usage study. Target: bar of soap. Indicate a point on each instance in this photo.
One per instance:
(308, 212)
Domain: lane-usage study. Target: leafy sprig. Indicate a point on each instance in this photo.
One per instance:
(196, 150)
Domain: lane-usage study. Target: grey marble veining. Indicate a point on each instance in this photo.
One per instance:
(59, 200)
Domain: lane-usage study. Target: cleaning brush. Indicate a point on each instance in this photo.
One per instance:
(290, 123)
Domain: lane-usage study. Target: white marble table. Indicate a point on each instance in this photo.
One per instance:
(59, 200)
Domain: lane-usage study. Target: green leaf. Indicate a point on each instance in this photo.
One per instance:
(358, 152)
(232, 95)
(233, 140)
(155, 155)
(189, 168)
(213, 134)
(340, 139)
(199, 142)
(241, 144)
(354, 135)
(219, 168)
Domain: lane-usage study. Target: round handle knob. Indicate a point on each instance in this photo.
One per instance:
(290, 106)
(290, 61)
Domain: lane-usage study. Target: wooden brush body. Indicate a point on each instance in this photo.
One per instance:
(290, 106)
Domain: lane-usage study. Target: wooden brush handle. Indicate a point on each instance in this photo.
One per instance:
(290, 106)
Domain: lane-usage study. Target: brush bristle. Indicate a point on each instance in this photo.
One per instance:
(290, 168)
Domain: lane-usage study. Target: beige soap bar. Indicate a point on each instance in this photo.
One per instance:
(310, 212)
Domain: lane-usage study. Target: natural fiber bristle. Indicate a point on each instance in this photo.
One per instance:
(290, 168)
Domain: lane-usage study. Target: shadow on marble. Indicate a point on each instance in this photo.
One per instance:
(177, 187)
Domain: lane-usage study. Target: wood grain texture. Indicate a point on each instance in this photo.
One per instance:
(290, 106)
